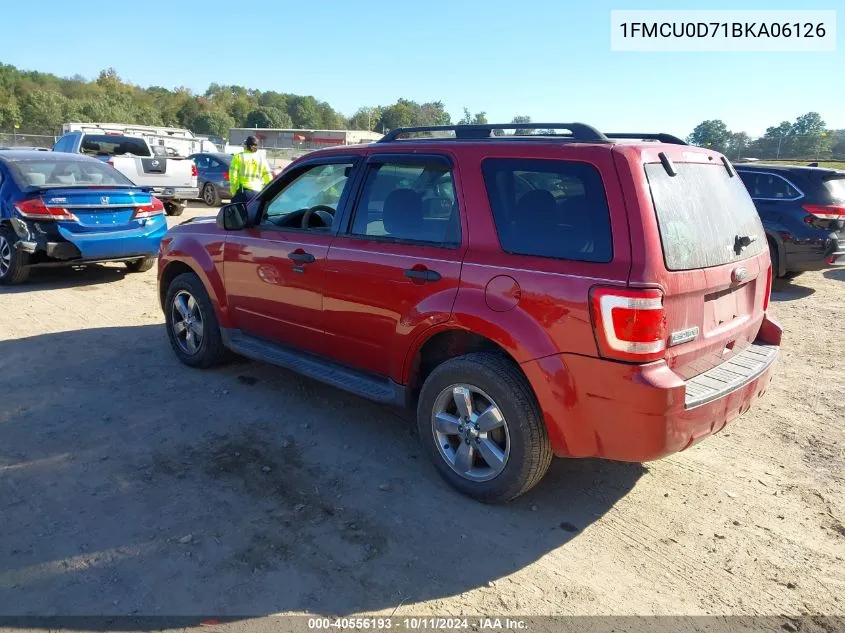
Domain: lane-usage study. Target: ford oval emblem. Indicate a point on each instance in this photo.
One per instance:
(739, 274)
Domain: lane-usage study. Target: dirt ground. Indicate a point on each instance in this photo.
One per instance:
(130, 484)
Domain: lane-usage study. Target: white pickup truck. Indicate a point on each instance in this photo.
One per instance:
(172, 180)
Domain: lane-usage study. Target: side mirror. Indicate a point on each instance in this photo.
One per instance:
(232, 217)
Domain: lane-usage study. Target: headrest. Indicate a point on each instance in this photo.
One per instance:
(403, 212)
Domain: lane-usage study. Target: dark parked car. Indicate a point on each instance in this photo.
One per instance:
(803, 212)
(528, 297)
(213, 176)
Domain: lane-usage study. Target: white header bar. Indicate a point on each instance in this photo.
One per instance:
(723, 30)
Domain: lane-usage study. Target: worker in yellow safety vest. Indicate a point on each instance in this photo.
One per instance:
(248, 172)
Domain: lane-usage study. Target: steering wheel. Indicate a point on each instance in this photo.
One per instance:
(324, 212)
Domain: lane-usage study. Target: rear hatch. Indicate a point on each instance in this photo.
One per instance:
(713, 259)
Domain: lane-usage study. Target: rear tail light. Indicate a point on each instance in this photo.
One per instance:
(823, 212)
(225, 175)
(156, 207)
(193, 170)
(768, 294)
(629, 324)
(35, 209)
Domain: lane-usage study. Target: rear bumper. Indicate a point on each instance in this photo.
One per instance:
(176, 193)
(817, 257)
(61, 245)
(599, 408)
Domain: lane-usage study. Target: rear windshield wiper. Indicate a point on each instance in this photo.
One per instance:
(743, 241)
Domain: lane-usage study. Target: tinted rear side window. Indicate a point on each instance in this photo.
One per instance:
(704, 216)
(549, 208)
(111, 145)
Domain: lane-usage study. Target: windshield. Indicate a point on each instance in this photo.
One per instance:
(55, 172)
(113, 145)
(706, 217)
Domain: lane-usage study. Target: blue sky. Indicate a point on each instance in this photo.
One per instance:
(550, 60)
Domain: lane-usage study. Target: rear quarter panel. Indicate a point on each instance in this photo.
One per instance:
(550, 297)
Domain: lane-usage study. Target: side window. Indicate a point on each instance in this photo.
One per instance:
(64, 144)
(320, 185)
(762, 185)
(549, 208)
(412, 202)
(202, 162)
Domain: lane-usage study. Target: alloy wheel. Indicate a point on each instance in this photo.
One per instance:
(187, 322)
(208, 194)
(471, 432)
(5, 256)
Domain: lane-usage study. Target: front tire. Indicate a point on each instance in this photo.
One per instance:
(141, 265)
(210, 195)
(480, 424)
(14, 265)
(173, 208)
(192, 324)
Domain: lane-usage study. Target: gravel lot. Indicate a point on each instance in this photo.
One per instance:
(130, 484)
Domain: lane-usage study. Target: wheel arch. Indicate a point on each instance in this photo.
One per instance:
(438, 345)
(773, 238)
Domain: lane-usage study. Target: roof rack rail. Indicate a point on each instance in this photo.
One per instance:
(645, 136)
(578, 131)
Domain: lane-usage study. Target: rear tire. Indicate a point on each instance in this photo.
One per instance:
(141, 265)
(518, 432)
(210, 195)
(775, 257)
(173, 208)
(14, 265)
(192, 325)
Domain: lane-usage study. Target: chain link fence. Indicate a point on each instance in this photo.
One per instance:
(27, 140)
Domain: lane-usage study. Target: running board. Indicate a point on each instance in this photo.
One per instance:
(369, 386)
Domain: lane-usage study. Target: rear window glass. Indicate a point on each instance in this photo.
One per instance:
(65, 173)
(109, 145)
(836, 187)
(704, 216)
(549, 208)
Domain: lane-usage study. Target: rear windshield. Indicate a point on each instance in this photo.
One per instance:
(549, 208)
(704, 216)
(65, 173)
(109, 145)
(836, 186)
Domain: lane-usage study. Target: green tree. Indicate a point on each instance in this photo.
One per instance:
(268, 117)
(10, 114)
(712, 134)
(365, 119)
(41, 112)
(304, 112)
(214, 122)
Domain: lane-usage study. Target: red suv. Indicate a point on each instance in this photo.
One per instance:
(576, 294)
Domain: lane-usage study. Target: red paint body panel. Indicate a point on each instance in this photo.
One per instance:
(598, 408)
(372, 311)
(270, 295)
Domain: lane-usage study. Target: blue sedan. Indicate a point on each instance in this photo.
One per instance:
(66, 209)
(213, 176)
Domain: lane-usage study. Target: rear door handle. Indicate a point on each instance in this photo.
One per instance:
(301, 258)
(422, 275)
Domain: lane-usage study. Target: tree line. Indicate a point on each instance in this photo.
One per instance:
(806, 138)
(33, 102)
